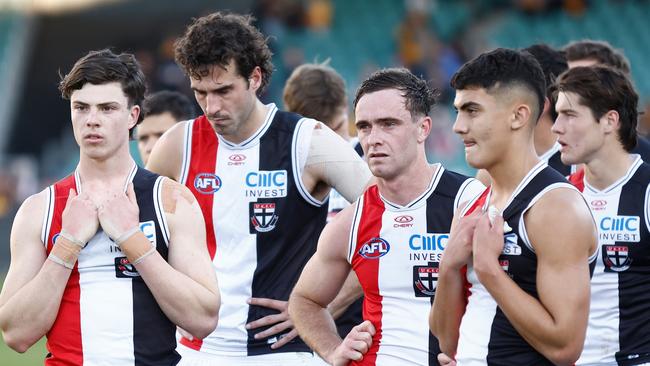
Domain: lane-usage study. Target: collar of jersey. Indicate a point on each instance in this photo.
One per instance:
(254, 139)
(129, 178)
(547, 155)
(636, 163)
(421, 199)
(520, 187)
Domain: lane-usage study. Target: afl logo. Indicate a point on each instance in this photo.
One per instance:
(598, 204)
(403, 219)
(236, 159)
(207, 183)
(374, 248)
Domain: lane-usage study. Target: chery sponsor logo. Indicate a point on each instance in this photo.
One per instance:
(403, 221)
(598, 205)
(237, 159)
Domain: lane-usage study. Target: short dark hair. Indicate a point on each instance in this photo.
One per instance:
(104, 66)
(179, 105)
(419, 98)
(315, 91)
(553, 63)
(603, 89)
(600, 51)
(503, 68)
(218, 38)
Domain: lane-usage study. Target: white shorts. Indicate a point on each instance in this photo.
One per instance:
(191, 357)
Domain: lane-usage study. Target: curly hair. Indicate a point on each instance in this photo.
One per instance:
(218, 38)
(419, 98)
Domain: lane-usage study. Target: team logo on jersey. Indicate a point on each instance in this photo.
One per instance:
(510, 246)
(616, 258)
(263, 217)
(374, 248)
(425, 279)
(237, 159)
(266, 184)
(619, 228)
(403, 221)
(148, 228)
(124, 268)
(505, 264)
(207, 183)
(598, 205)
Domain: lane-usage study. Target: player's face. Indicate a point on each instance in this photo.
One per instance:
(580, 135)
(340, 123)
(481, 124)
(388, 135)
(227, 99)
(150, 130)
(101, 119)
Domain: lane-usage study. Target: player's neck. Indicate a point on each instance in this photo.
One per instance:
(508, 172)
(255, 120)
(107, 172)
(607, 166)
(409, 185)
(543, 137)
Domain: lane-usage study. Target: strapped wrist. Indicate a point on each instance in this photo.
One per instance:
(136, 246)
(65, 252)
(72, 239)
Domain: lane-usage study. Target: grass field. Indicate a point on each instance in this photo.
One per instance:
(34, 356)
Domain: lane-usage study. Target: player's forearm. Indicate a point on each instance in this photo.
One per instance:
(557, 338)
(30, 312)
(315, 325)
(350, 292)
(186, 302)
(447, 309)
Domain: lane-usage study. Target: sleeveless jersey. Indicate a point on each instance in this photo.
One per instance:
(107, 314)
(486, 335)
(620, 288)
(395, 251)
(552, 158)
(262, 223)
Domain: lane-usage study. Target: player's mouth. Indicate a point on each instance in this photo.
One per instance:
(93, 138)
(377, 155)
(469, 143)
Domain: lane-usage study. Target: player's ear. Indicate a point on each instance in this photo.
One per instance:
(610, 121)
(133, 116)
(255, 78)
(424, 128)
(521, 116)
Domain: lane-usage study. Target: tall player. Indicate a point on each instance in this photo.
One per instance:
(392, 237)
(597, 128)
(107, 260)
(317, 91)
(513, 287)
(262, 178)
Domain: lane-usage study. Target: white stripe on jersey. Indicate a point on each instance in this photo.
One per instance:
(160, 213)
(49, 213)
(299, 152)
(187, 151)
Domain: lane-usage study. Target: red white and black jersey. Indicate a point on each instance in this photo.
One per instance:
(108, 315)
(486, 334)
(262, 223)
(618, 331)
(395, 251)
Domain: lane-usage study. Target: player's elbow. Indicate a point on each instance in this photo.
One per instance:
(567, 355)
(15, 342)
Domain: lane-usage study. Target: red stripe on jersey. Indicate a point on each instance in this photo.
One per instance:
(578, 179)
(203, 161)
(64, 338)
(367, 270)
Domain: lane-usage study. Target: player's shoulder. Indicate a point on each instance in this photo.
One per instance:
(33, 209)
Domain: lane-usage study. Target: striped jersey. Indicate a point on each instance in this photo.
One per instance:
(395, 251)
(486, 334)
(262, 223)
(620, 288)
(108, 315)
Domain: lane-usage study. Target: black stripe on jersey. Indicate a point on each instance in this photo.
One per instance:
(154, 335)
(555, 162)
(506, 346)
(440, 213)
(634, 283)
(283, 251)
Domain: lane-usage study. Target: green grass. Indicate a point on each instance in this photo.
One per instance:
(34, 356)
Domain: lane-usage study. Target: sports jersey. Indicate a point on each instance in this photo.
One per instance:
(620, 296)
(486, 335)
(395, 251)
(553, 158)
(108, 315)
(262, 223)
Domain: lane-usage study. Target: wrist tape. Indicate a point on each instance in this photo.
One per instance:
(135, 245)
(65, 252)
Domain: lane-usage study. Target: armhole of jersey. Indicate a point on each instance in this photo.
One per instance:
(160, 213)
(299, 151)
(646, 204)
(352, 242)
(48, 215)
(467, 195)
(522, 224)
(187, 152)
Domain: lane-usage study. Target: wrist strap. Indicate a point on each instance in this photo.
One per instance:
(125, 236)
(72, 239)
(65, 252)
(137, 247)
